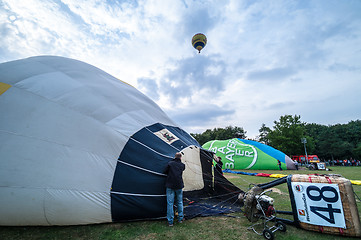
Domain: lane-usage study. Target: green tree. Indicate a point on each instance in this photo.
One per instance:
(219, 134)
(263, 134)
(315, 132)
(339, 141)
(352, 133)
(287, 133)
(356, 152)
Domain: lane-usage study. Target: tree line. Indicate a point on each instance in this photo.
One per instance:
(339, 141)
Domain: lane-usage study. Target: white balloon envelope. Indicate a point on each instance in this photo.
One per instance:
(79, 146)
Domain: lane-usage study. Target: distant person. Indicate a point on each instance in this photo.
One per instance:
(296, 164)
(279, 164)
(174, 188)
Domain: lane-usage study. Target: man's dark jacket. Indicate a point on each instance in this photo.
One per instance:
(175, 170)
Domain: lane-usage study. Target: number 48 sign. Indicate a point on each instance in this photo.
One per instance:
(319, 204)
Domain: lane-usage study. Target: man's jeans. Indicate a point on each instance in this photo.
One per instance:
(178, 195)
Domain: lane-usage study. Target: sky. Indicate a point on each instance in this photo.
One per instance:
(263, 59)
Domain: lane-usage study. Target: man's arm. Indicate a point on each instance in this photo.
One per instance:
(166, 169)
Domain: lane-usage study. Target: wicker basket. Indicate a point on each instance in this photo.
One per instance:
(352, 220)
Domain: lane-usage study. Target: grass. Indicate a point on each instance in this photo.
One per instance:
(199, 228)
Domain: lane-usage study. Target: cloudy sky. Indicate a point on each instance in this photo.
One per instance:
(263, 59)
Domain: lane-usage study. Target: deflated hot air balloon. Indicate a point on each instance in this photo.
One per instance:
(79, 146)
(199, 41)
(239, 153)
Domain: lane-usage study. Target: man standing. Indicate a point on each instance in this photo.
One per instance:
(279, 164)
(296, 164)
(174, 185)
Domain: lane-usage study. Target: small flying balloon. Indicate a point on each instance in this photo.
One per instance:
(199, 41)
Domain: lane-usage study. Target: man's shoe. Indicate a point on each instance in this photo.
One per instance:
(170, 225)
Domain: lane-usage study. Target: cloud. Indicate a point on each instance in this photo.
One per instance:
(192, 75)
(262, 59)
(279, 105)
(272, 74)
(149, 87)
(199, 115)
(198, 20)
(338, 67)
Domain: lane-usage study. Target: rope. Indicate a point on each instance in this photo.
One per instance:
(214, 206)
(356, 195)
(221, 195)
(207, 156)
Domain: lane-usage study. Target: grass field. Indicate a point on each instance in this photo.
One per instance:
(199, 228)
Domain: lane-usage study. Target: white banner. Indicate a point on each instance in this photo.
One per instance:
(166, 135)
(321, 166)
(319, 204)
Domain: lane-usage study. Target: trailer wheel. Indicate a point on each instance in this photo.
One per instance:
(268, 234)
(281, 226)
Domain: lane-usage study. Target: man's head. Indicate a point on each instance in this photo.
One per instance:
(178, 155)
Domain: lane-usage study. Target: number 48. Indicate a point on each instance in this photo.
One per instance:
(316, 210)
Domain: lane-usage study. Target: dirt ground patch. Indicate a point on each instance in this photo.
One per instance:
(276, 190)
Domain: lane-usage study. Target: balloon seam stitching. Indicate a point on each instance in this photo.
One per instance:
(131, 138)
(144, 169)
(138, 194)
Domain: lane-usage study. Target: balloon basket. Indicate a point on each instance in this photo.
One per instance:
(322, 203)
(339, 210)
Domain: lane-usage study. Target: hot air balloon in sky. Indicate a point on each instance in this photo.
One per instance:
(79, 146)
(199, 41)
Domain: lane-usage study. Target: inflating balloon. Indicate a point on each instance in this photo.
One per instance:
(199, 41)
(239, 154)
(79, 146)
